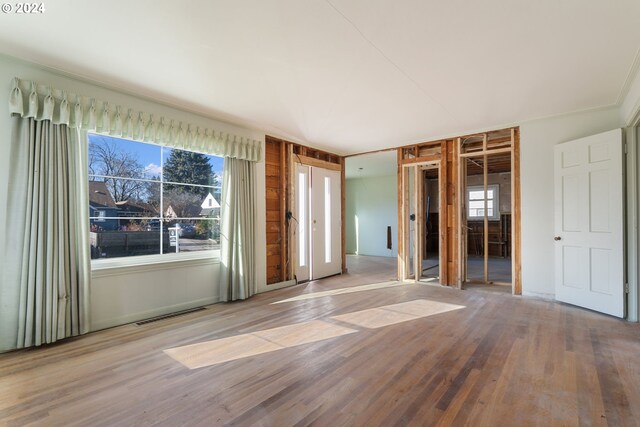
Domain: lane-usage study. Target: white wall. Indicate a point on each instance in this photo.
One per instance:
(374, 201)
(537, 139)
(128, 294)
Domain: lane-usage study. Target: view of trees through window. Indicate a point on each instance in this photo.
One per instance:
(147, 199)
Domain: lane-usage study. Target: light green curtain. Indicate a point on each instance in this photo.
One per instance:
(47, 263)
(237, 235)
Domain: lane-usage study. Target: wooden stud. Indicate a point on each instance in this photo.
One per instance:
(485, 173)
(443, 215)
(405, 221)
(310, 161)
(485, 152)
(283, 207)
(516, 256)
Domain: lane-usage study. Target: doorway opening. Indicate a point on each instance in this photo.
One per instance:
(459, 211)
(371, 216)
(431, 231)
(486, 219)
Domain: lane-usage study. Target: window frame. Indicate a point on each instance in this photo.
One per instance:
(495, 201)
(103, 264)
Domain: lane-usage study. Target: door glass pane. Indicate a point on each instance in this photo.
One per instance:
(327, 219)
(302, 219)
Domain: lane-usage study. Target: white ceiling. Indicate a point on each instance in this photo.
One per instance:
(345, 75)
(382, 163)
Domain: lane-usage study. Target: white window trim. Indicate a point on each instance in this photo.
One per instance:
(496, 202)
(107, 266)
(150, 262)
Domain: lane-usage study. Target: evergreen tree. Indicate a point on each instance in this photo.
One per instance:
(189, 168)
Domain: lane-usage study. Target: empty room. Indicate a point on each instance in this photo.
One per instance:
(322, 212)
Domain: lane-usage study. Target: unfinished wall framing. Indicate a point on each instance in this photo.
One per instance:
(280, 157)
(449, 160)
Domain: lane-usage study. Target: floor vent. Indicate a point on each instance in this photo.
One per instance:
(170, 315)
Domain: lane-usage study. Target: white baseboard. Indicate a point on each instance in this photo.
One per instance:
(136, 317)
(541, 295)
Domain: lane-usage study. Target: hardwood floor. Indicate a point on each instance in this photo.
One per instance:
(498, 361)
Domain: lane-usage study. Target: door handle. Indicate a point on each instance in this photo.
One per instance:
(557, 238)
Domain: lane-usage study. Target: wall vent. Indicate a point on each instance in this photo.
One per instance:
(170, 315)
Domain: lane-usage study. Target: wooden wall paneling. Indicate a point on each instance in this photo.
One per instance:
(283, 210)
(273, 206)
(515, 213)
(399, 187)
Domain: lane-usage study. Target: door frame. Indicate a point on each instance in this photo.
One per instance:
(418, 230)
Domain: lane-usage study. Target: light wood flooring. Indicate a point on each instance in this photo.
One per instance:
(494, 360)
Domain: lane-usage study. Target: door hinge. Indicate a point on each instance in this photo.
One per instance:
(626, 288)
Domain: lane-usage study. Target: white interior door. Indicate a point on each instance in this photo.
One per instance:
(302, 199)
(589, 252)
(326, 244)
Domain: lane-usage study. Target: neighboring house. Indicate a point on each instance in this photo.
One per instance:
(210, 207)
(188, 211)
(101, 207)
(132, 208)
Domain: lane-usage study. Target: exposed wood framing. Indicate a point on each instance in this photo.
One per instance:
(452, 155)
(516, 255)
(283, 210)
(485, 180)
(443, 171)
(310, 161)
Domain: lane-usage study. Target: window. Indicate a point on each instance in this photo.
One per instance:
(145, 199)
(475, 202)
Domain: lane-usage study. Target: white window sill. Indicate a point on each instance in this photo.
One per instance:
(135, 264)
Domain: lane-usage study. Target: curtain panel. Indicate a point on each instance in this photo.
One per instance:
(31, 100)
(237, 231)
(47, 265)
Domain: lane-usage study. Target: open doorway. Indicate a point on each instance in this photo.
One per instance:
(459, 210)
(371, 215)
(486, 215)
(431, 230)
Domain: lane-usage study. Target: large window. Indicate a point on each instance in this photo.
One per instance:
(146, 199)
(475, 202)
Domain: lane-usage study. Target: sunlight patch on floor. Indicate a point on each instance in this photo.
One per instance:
(340, 291)
(240, 346)
(396, 313)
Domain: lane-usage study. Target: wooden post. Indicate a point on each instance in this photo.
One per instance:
(283, 210)
(516, 270)
(485, 171)
(442, 215)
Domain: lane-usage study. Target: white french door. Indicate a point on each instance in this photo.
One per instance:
(302, 201)
(318, 208)
(589, 252)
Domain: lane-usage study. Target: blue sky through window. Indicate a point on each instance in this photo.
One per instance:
(149, 155)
